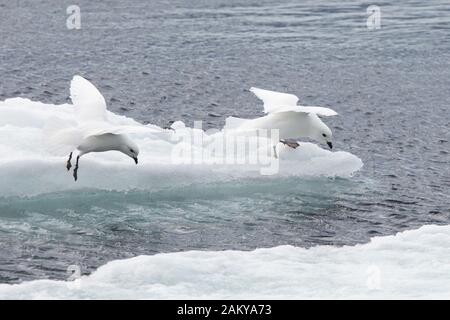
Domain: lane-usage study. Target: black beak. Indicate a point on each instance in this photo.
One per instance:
(136, 160)
(330, 144)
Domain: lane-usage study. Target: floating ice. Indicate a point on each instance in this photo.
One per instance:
(28, 168)
(412, 264)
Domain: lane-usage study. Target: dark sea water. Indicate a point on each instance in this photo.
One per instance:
(159, 61)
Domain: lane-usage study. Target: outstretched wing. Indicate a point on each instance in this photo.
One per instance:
(320, 111)
(88, 101)
(273, 100)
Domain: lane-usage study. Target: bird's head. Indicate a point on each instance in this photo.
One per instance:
(131, 149)
(326, 138)
(322, 133)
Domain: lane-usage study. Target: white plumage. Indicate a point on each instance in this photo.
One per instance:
(276, 102)
(283, 114)
(92, 132)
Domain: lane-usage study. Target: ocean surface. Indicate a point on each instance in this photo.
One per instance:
(161, 61)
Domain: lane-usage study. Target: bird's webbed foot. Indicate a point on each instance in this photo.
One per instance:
(275, 154)
(290, 143)
(75, 170)
(69, 164)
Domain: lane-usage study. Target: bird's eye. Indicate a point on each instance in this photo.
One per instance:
(131, 150)
(324, 134)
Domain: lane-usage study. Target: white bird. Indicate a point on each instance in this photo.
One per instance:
(292, 120)
(92, 132)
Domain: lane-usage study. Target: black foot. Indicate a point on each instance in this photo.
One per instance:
(292, 144)
(75, 170)
(69, 165)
